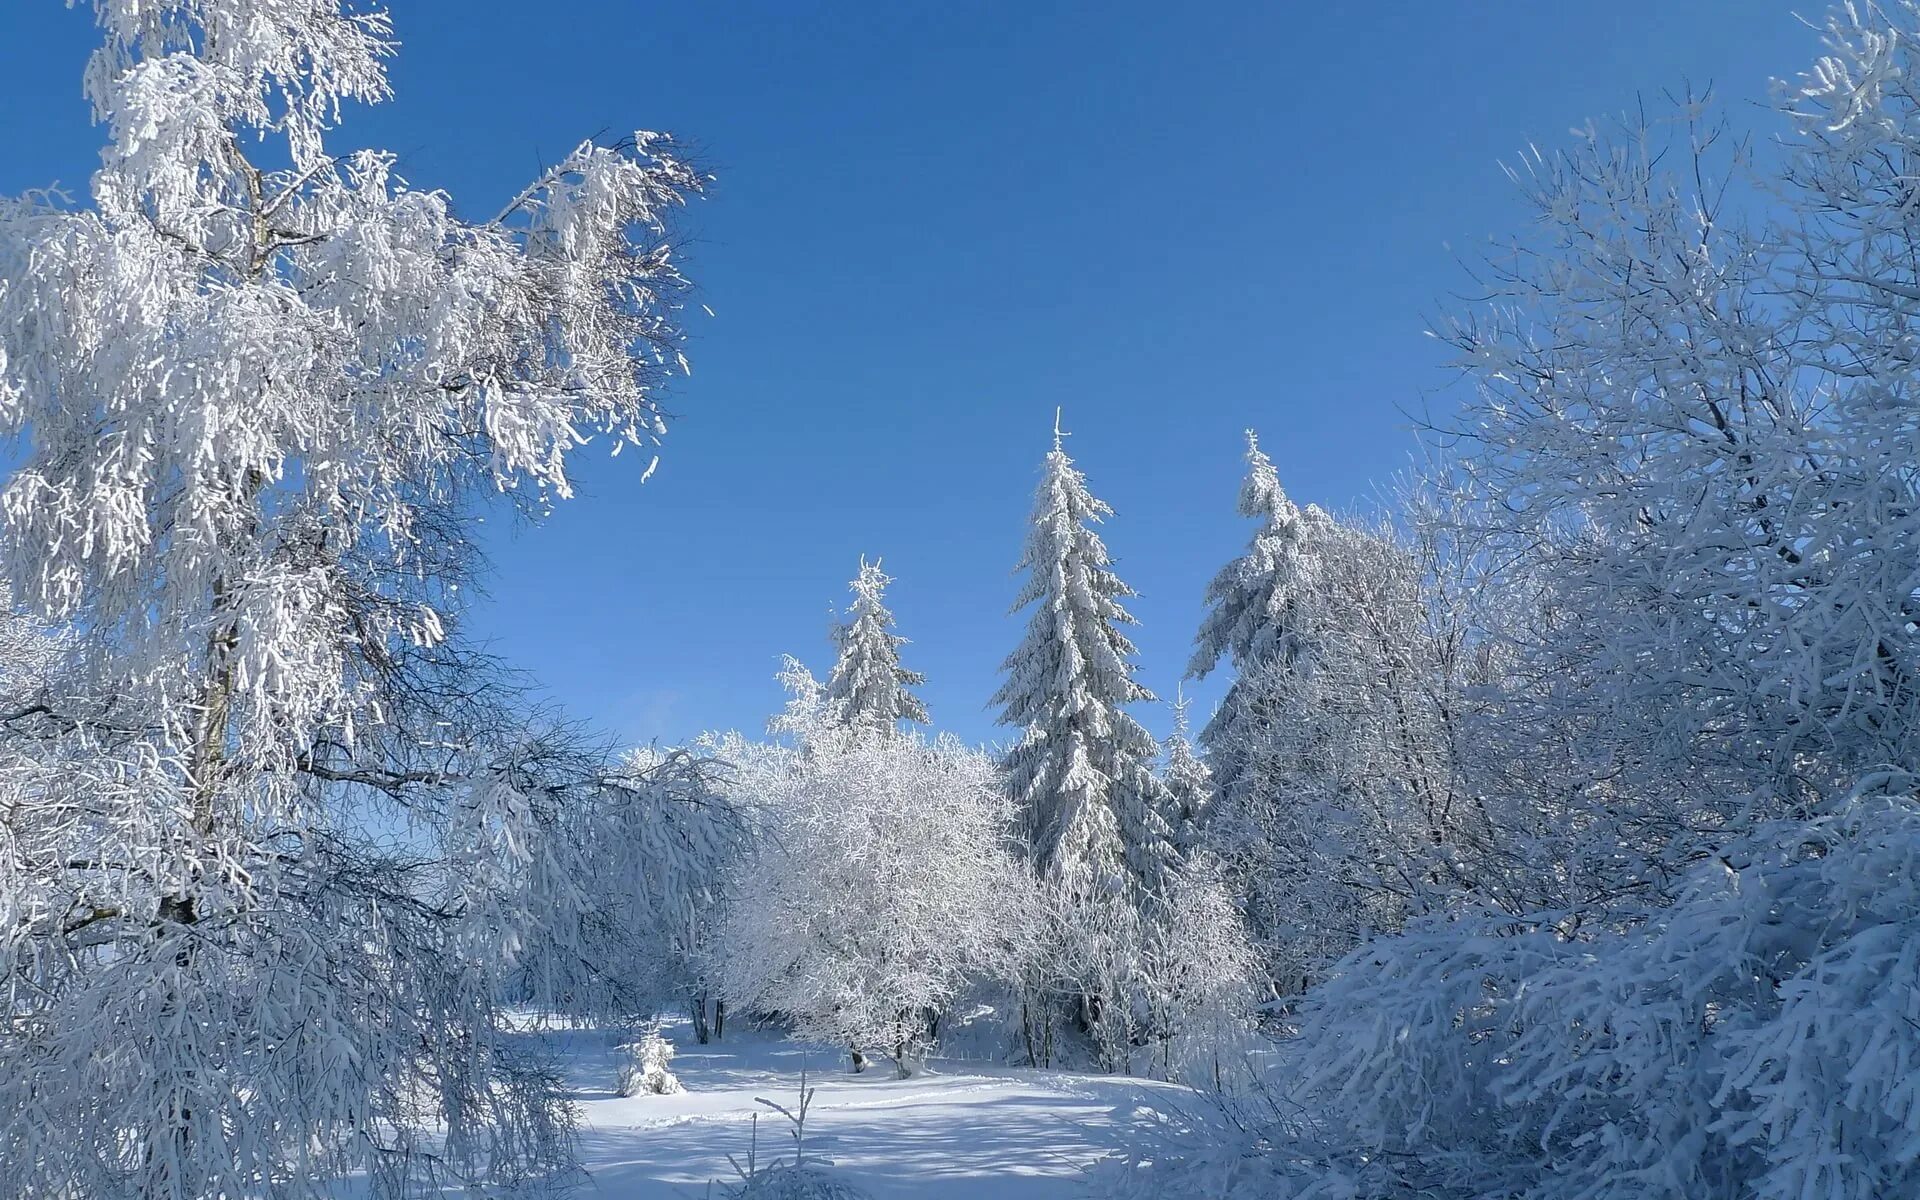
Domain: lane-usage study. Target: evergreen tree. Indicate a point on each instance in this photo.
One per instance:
(868, 687)
(1187, 782)
(1082, 773)
(1254, 620)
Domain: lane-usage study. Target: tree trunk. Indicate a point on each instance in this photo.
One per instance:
(177, 912)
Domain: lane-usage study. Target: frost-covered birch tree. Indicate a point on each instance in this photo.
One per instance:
(868, 686)
(1082, 771)
(266, 858)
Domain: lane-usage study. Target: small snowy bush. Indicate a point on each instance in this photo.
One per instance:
(793, 1181)
(645, 1068)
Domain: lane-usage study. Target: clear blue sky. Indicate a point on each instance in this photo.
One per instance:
(936, 221)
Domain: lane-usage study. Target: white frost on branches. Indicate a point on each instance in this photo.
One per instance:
(268, 847)
(883, 883)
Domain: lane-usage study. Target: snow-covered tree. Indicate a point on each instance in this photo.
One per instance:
(648, 840)
(1692, 458)
(1366, 813)
(1199, 982)
(884, 881)
(689, 839)
(1082, 771)
(869, 686)
(1363, 651)
(1081, 998)
(266, 865)
(1253, 619)
(1692, 429)
(1187, 781)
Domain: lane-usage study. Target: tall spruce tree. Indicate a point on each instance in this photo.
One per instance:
(868, 687)
(1094, 811)
(1254, 620)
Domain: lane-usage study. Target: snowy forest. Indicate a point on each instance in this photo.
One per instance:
(1557, 835)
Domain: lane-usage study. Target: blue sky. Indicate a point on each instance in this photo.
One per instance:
(935, 222)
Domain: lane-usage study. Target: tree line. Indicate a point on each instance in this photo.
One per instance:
(1557, 831)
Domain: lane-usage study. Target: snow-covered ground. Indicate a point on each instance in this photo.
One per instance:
(959, 1130)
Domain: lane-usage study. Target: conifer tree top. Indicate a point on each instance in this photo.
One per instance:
(1180, 759)
(1187, 779)
(1249, 600)
(1071, 637)
(868, 686)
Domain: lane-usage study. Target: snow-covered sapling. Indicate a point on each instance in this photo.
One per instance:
(803, 1177)
(644, 1066)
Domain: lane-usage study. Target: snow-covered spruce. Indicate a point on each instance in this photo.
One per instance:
(1187, 780)
(868, 686)
(1082, 772)
(254, 402)
(645, 1066)
(1253, 617)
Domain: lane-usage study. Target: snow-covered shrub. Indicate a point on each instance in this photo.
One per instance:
(1758, 1039)
(1170, 991)
(1198, 980)
(1080, 1003)
(644, 1066)
(882, 880)
(791, 1181)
